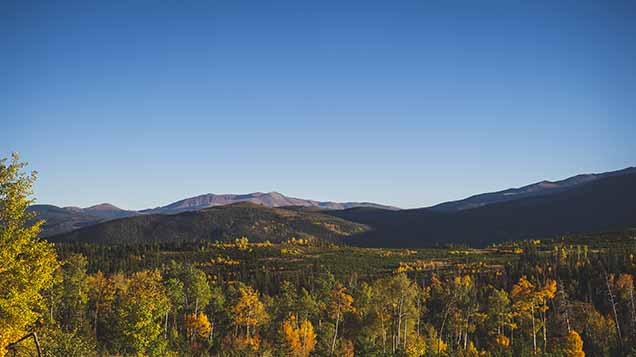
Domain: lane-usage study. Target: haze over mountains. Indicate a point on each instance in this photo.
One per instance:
(580, 204)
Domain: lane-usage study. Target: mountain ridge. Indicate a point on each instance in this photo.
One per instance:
(544, 187)
(65, 219)
(268, 199)
(223, 223)
(606, 204)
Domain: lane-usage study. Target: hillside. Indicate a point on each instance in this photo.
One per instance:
(108, 211)
(223, 223)
(602, 205)
(58, 220)
(537, 189)
(66, 219)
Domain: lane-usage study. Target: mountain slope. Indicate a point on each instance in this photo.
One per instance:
(601, 205)
(108, 211)
(270, 199)
(59, 220)
(533, 190)
(65, 219)
(257, 222)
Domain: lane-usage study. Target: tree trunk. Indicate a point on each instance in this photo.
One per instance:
(383, 334)
(611, 299)
(399, 323)
(545, 329)
(632, 306)
(534, 331)
(165, 327)
(406, 323)
(335, 335)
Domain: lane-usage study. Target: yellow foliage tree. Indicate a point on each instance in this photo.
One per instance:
(341, 302)
(574, 345)
(242, 243)
(101, 294)
(502, 341)
(416, 345)
(300, 340)
(198, 326)
(249, 312)
(528, 300)
(27, 264)
(472, 350)
(438, 345)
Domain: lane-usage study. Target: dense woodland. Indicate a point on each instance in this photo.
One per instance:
(568, 296)
(560, 298)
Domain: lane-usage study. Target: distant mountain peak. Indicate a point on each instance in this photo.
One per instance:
(268, 199)
(103, 207)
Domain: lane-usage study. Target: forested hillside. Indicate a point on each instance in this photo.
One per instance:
(218, 223)
(602, 205)
(543, 188)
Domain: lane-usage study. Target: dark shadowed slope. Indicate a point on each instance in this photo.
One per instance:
(257, 222)
(270, 199)
(59, 220)
(65, 219)
(601, 205)
(536, 189)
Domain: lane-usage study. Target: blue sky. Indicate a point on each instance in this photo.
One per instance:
(140, 103)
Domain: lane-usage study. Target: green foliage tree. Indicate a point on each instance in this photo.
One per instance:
(74, 297)
(139, 311)
(197, 289)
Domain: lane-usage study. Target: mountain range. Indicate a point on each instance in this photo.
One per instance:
(223, 223)
(60, 220)
(269, 199)
(580, 204)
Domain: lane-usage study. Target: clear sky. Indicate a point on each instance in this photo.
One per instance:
(143, 102)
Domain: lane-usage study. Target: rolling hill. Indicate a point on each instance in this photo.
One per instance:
(222, 223)
(65, 219)
(605, 204)
(537, 189)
